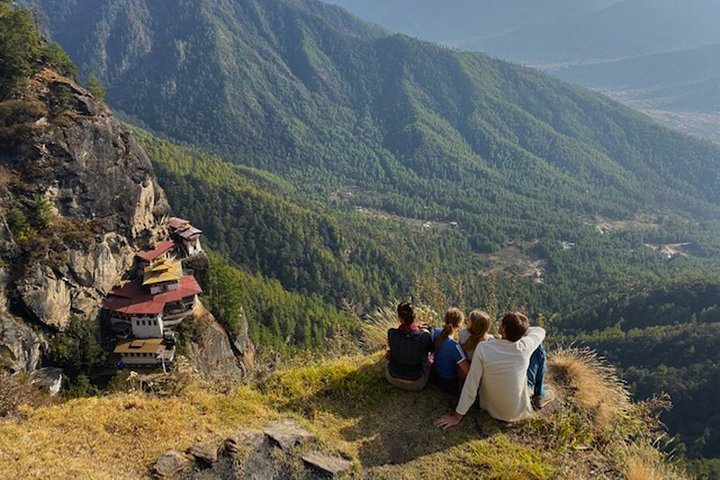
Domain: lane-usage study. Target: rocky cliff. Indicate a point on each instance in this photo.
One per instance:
(78, 199)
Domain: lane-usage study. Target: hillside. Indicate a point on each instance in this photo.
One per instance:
(682, 81)
(391, 119)
(345, 141)
(600, 45)
(354, 413)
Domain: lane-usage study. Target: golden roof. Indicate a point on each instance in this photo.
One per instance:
(162, 271)
(150, 345)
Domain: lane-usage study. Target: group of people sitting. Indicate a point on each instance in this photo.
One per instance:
(507, 373)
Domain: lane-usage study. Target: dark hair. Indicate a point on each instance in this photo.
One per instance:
(515, 325)
(406, 312)
(454, 317)
(481, 323)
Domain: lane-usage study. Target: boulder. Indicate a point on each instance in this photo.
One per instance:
(326, 464)
(242, 344)
(203, 453)
(20, 345)
(94, 267)
(171, 463)
(209, 351)
(287, 433)
(48, 378)
(245, 439)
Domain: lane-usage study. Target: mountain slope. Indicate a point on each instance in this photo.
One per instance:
(679, 79)
(299, 95)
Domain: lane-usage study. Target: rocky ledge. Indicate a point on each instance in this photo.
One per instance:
(282, 450)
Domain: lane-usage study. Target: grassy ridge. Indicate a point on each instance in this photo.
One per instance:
(387, 433)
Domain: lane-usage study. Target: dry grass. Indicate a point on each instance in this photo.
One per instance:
(646, 463)
(594, 386)
(388, 433)
(121, 435)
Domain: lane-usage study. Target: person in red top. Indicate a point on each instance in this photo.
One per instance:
(407, 353)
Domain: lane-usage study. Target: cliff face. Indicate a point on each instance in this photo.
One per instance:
(77, 199)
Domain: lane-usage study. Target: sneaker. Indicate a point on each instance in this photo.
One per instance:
(541, 401)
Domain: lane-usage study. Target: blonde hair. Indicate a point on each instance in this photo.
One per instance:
(454, 317)
(480, 323)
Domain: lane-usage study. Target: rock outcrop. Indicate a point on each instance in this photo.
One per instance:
(77, 199)
(276, 452)
(209, 351)
(20, 345)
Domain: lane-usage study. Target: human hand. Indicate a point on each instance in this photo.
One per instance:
(448, 421)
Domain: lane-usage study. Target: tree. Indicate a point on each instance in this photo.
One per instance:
(96, 87)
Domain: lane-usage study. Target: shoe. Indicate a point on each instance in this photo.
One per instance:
(541, 401)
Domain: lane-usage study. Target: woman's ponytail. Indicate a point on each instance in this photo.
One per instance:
(454, 317)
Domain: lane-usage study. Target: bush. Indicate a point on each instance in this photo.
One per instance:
(76, 350)
(96, 87)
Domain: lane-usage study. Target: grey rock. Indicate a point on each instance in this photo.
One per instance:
(47, 297)
(48, 378)
(20, 346)
(287, 433)
(96, 267)
(107, 205)
(245, 439)
(210, 351)
(244, 347)
(205, 454)
(326, 463)
(171, 463)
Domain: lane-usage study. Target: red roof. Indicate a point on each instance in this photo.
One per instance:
(176, 223)
(189, 233)
(160, 249)
(134, 299)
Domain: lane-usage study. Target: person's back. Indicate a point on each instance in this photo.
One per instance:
(503, 389)
(447, 357)
(499, 374)
(450, 364)
(407, 354)
(409, 349)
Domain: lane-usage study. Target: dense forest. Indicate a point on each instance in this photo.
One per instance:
(349, 167)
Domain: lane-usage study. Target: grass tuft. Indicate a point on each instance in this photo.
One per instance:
(594, 386)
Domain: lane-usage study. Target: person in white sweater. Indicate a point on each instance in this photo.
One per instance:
(498, 373)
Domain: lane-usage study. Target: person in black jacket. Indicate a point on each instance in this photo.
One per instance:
(408, 349)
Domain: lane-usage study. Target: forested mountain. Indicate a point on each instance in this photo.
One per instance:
(356, 165)
(656, 56)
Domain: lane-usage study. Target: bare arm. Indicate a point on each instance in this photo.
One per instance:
(464, 367)
(468, 395)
